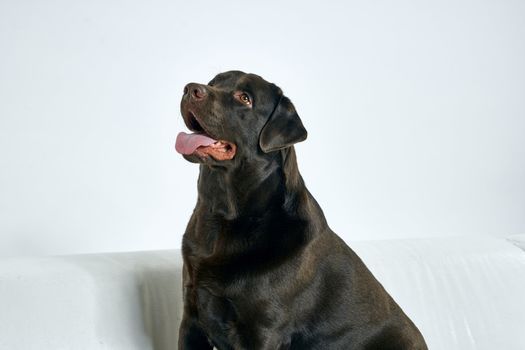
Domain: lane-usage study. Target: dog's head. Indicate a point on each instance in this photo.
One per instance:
(236, 115)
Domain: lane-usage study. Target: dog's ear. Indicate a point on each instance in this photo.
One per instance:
(283, 128)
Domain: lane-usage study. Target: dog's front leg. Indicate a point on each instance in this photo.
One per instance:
(191, 336)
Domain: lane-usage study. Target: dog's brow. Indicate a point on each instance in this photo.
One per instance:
(244, 81)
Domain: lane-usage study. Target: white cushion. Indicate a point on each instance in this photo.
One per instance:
(462, 293)
(118, 301)
(517, 240)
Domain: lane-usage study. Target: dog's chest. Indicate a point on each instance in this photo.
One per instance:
(236, 312)
(221, 316)
(215, 310)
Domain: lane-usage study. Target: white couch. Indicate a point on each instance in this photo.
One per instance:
(463, 293)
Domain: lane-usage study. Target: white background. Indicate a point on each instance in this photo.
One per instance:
(415, 112)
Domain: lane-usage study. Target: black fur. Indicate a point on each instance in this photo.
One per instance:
(262, 269)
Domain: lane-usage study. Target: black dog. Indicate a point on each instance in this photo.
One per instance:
(262, 269)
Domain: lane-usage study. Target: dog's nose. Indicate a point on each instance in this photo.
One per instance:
(195, 91)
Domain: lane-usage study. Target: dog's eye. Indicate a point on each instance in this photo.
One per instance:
(246, 99)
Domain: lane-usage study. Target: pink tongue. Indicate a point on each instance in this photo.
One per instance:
(188, 143)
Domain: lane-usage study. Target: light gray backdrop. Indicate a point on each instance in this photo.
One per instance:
(415, 112)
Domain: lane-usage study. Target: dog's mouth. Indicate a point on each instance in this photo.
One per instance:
(201, 143)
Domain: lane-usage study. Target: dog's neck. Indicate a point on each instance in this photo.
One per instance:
(252, 189)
